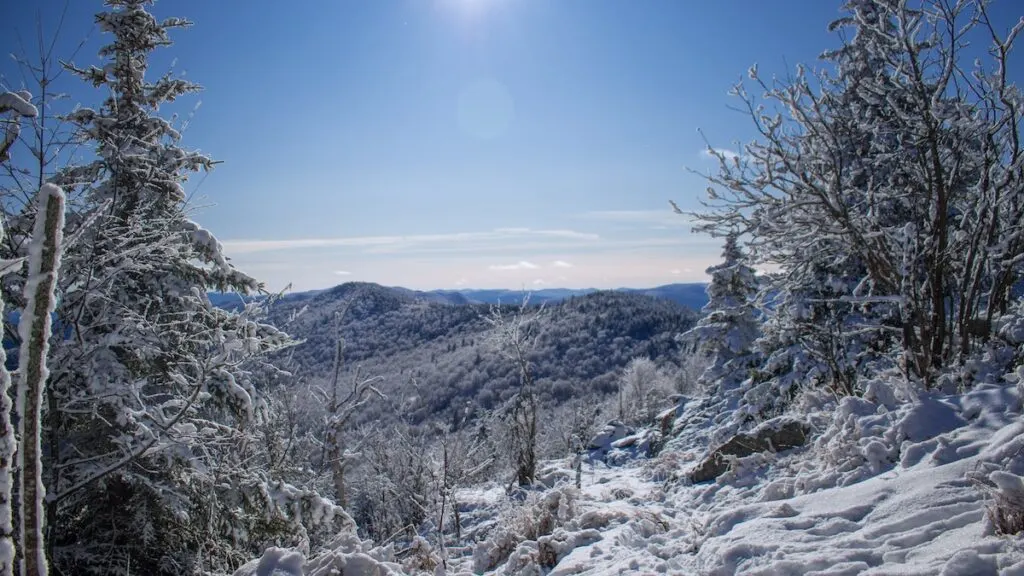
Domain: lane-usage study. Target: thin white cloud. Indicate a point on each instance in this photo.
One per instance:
(599, 269)
(561, 264)
(403, 243)
(521, 265)
(342, 273)
(676, 272)
(539, 282)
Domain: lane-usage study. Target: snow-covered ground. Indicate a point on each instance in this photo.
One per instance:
(901, 489)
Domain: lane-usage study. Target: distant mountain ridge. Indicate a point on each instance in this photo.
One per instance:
(691, 295)
(434, 354)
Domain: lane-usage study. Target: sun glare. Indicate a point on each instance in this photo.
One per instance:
(469, 10)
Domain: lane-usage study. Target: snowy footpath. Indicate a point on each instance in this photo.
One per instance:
(901, 489)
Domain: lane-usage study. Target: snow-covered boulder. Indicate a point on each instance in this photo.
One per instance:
(643, 444)
(603, 442)
(929, 418)
(346, 554)
(553, 547)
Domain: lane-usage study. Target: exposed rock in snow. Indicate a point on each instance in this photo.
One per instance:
(775, 435)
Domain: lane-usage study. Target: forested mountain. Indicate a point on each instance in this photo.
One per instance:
(442, 354)
(690, 295)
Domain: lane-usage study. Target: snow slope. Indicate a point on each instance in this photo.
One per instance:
(880, 490)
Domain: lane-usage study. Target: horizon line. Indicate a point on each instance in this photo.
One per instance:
(464, 289)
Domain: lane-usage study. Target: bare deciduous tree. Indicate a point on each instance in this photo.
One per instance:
(901, 162)
(342, 402)
(514, 336)
(462, 457)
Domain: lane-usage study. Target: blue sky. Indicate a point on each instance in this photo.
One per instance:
(458, 143)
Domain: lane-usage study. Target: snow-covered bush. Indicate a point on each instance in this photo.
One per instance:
(393, 485)
(644, 390)
(519, 527)
(1005, 513)
(345, 554)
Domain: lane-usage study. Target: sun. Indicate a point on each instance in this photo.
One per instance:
(469, 10)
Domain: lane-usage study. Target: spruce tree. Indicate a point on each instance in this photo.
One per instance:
(729, 325)
(152, 395)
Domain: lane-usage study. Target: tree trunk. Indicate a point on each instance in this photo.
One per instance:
(7, 451)
(34, 329)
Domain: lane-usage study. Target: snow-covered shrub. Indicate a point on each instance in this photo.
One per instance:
(687, 378)
(666, 467)
(553, 547)
(520, 525)
(420, 557)
(643, 391)
(345, 554)
(1005, 513)
(392, 487)
(566, 429)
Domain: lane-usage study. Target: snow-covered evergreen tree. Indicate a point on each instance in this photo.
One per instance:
(729, 325)
(152, 392)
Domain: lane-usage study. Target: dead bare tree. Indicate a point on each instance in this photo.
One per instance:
(343, 401)
(514, 336)
(462, 457)
(15, 105)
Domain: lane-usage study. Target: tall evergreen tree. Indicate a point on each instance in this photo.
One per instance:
(152, 393)
(729, 326)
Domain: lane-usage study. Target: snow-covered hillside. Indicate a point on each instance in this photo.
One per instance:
(877, 490)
